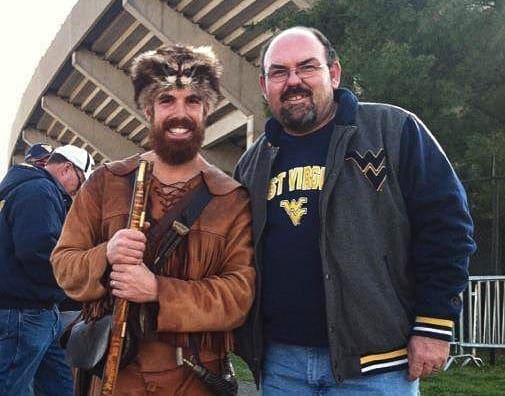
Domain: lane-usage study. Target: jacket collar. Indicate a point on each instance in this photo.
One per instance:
(23, 172)
(345, 115)
(218, 182)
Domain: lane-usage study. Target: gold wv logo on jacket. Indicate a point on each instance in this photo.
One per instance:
(372, 165)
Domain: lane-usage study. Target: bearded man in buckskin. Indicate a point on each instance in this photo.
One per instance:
(192, 299)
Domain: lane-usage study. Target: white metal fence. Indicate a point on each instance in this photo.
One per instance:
(482, 324)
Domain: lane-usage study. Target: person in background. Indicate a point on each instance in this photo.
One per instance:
(38, 154)
(362, 235)
(33, 205)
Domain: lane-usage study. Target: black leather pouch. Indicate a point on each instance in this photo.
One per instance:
(87, 343)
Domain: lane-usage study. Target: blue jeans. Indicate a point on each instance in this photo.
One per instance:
(30, 353)
(294, 370)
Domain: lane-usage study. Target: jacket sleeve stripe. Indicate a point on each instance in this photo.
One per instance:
(433, 327)
(384, 362)
(383, 356)
(435, 321)
(384, 365)
(419, 328)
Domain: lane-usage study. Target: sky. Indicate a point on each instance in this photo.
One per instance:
(27, 29)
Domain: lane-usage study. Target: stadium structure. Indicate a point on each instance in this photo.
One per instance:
(81, 94)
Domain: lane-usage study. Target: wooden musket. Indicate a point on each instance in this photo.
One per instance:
(120, 313)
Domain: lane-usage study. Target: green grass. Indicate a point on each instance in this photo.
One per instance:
(470, 380)
(487, 380)
(241, 370)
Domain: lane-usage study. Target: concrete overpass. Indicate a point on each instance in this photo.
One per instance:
(81, 94)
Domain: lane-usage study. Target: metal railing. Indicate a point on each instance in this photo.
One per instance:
(482, 324)
(484, 313)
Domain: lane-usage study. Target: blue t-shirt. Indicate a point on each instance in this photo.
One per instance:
(293, 298)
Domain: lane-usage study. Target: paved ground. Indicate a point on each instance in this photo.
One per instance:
(247, 389)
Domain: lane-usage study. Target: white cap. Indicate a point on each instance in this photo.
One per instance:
(78, 156)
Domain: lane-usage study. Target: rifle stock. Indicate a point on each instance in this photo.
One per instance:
(120, 313)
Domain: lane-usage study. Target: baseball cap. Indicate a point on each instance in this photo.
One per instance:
(78, 156)
(38, 151)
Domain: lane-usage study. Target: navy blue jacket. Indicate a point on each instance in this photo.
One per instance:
(33, 206)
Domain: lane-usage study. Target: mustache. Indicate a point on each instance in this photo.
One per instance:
(298, 89)
(186, 123)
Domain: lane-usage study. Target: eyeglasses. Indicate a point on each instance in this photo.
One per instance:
(302, 71)
(80, 176)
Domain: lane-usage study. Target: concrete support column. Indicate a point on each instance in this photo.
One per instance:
(107, 142)
(31, 136)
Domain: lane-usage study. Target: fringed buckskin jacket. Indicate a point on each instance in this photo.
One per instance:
(219, 289)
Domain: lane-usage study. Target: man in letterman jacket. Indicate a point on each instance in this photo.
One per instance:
(361, 230)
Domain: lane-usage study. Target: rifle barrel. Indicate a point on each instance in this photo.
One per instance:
(120, 313)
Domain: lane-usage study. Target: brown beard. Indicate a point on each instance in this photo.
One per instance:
(176, 152)
(287, 117)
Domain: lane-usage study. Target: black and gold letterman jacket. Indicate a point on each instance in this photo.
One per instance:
(395, 237)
